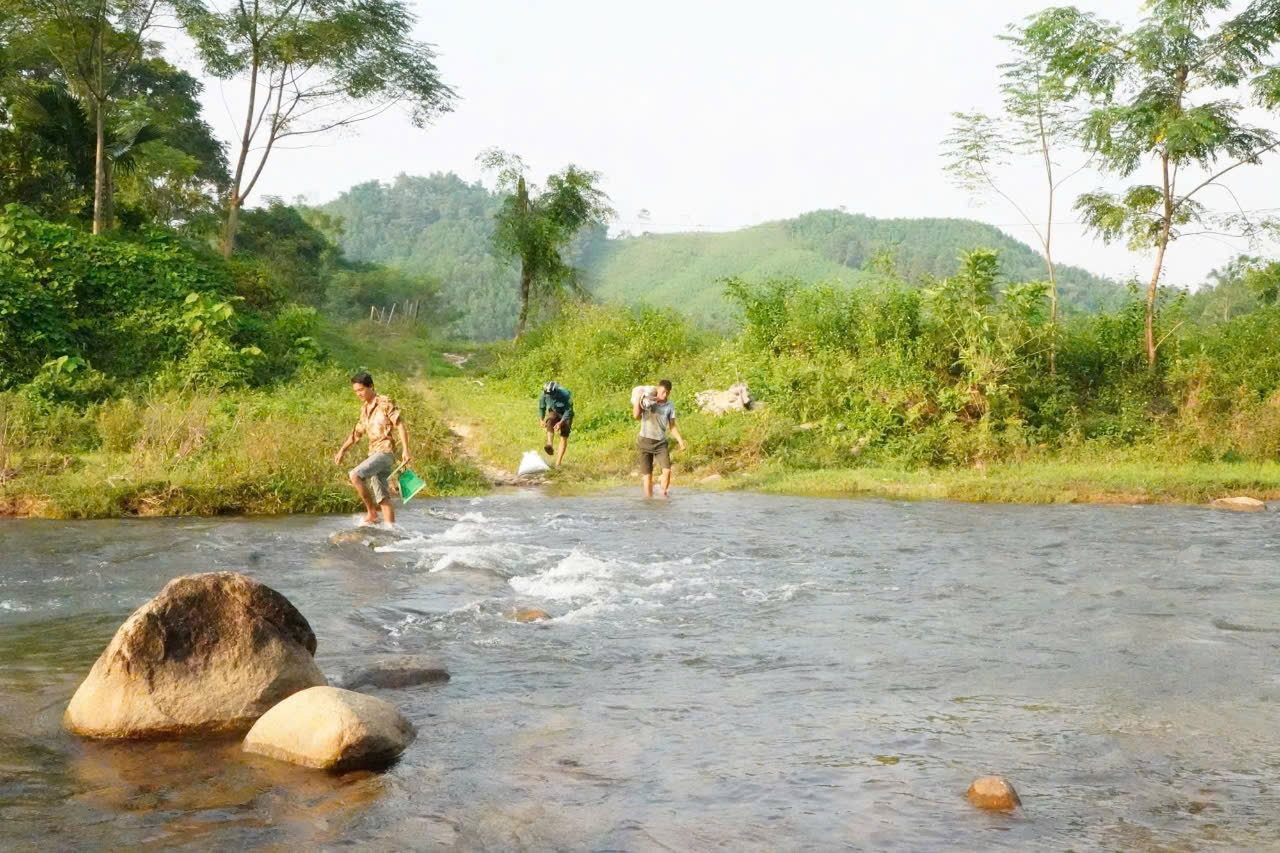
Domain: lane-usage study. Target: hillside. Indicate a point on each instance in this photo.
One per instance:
(439, 226)
(683, 270)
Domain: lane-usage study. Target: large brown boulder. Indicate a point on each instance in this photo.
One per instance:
(328, 728)
(209, 655)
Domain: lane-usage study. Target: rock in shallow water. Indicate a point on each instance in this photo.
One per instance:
(993, 792)
(1239, 504)
(528, 614)
(398, 672)
(209, 655)
(328, 728)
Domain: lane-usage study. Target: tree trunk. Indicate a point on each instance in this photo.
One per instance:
(109, 205)
(233, 199)
(526, 274)
(1153, 288)
(99, 169)
(1048, 246)
(526, 280)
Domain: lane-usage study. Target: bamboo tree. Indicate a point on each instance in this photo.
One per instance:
(1166, 93)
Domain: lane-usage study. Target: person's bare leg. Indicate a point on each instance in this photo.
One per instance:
(666, 481)
(564, 445)
(551, 438)
(370, 514)
(648, 485)
(388, 512)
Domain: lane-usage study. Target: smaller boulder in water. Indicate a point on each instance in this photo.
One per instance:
(327, 728)
(994, 793)
(528, 614)
(395, 673)
(1239, 504)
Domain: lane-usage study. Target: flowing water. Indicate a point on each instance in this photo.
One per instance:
(729, 672)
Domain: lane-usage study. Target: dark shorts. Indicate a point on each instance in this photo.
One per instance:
(554, 421)
(653, 450)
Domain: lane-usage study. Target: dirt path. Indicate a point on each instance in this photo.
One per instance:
(468, 444)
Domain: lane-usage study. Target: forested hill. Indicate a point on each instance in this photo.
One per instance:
(440, 226)
(437, 226)
(683, 269)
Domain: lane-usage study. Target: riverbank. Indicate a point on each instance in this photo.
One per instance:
(265, 451)
(733, 453)
(269, 452)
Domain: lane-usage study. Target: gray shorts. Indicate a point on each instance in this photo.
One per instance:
(374, 471)
(651, 451)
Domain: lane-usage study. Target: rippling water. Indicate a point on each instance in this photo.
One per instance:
(722, 672)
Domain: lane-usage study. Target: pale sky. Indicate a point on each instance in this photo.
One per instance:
(725, 114)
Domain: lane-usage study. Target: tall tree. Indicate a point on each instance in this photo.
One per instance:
(536, 224)
(1039, 121)
(1165, 92)
(94, 43)
(312, 66)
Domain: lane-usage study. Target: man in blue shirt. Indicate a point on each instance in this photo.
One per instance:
(555, 414)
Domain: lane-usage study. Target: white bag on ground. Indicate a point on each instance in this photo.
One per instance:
(531, 463)
(649, 392)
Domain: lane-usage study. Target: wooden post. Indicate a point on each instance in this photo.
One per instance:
(393, 314)
(371, 310)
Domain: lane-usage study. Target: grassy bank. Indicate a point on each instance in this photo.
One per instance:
(249, 451)
(750, 452)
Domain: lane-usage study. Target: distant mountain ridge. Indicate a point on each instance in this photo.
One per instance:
(440, 226)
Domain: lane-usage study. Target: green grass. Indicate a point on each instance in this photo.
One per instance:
(737, 448)
(1041, 481)
(245, 452)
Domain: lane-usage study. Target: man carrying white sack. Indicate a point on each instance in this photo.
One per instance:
(657, 416)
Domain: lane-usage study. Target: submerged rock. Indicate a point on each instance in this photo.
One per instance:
(328, 728)
(1239, 504)
(209, 655)
(993, 792)
(370, 536)
(528, 614)
(398, 672)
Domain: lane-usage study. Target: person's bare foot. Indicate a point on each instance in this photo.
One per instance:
(370, 518)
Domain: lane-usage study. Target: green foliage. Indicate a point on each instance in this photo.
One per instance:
(535, 225)
(1167, 93)
(118, 302)
(439, 229)
(204, 451)
(67, 379)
